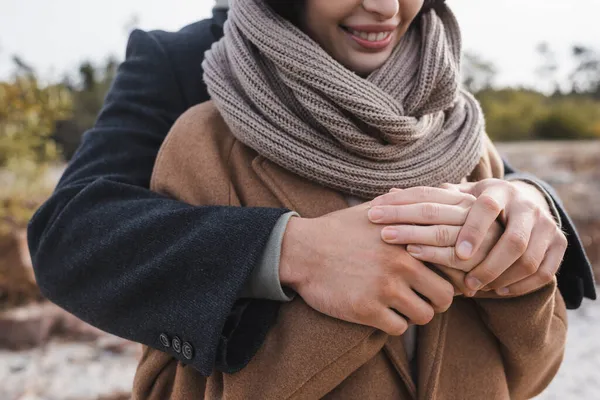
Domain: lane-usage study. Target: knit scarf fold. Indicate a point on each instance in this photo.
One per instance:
(407, 124)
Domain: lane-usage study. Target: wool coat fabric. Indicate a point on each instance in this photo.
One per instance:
(480, 348)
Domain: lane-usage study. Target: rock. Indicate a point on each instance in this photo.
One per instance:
(17, 280)
(32, 325)
(26, 327)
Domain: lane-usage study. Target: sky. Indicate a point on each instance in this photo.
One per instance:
(55, 35)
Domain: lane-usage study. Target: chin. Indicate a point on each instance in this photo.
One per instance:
(366, 67)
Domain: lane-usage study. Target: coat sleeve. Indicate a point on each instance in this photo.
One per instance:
(139, 265)
(531, 331)
(575, 278)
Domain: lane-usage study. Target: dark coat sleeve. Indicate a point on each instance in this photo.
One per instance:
(575, 277)
(137, 264)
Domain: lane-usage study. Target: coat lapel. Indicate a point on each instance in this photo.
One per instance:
(431, 347)
(307, 198)
(311, 200)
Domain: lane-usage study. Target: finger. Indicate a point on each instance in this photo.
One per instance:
(431, 235)
(512, 245)
(445, 256)
(432, 286)
(422, 194)
(422, 213)
(413, 307)
(531, 260)
(545, 274)
(391, 323)
(457, 278)
(482, 215)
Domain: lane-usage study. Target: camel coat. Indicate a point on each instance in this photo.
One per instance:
(479, 349)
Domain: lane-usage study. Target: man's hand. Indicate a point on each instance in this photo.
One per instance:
(339, 266)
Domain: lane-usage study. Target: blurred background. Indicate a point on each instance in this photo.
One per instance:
(534, 65)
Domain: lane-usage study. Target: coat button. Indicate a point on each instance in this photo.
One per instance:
(164, 340)
(187, 350)
(176, 344)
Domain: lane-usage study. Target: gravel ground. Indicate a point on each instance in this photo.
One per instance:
(87, 371)
(68, 370)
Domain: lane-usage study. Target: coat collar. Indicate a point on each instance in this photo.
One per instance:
(311, 200)
(307, 198)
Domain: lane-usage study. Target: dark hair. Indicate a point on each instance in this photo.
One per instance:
(293, 9)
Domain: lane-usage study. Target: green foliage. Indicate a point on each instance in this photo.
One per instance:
(28, 115)
(519, 114)
(568, 119)
(511, 114)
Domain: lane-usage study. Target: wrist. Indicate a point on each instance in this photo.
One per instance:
(534, 194)
(293, 264)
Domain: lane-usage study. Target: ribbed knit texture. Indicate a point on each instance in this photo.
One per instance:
(407, 124)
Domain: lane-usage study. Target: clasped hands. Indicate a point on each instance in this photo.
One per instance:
(403, 257)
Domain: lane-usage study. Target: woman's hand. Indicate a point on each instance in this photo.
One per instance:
(531, 248)
(525, 258)
(340, 266)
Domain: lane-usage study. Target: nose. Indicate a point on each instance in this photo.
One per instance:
(385, 9)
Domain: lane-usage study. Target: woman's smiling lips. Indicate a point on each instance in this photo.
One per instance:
(372, 37)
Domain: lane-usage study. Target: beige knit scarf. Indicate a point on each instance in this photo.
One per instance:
(407, 124)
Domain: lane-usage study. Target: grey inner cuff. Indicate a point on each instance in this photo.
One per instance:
(264, 282)
(542, 189)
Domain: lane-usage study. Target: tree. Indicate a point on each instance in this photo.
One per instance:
(585, 78)
(548, 67)
(477, 73)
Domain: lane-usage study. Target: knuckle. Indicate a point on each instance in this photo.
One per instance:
(410, 269)
(387, 289)
(454, 262)
(562, 239)
(442, 236)
(485, 275)
(473, 231)
(446, 298)
(361, 310)
(397, 329)
(468, 200)
(430, 212)
(423, 193)
(545, 276)
(424, 316)
(517, 241)
(530, 264)
(490, 204)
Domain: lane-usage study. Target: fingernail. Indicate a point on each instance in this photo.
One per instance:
(389, 234)
(414, 250)
(473, 283)
(464, 249)
(503, 291)
(375, 214)
(471, 294)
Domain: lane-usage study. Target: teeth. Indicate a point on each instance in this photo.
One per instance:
(372, 36)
